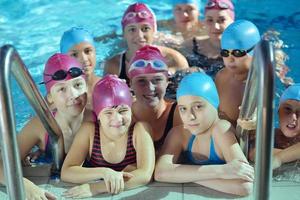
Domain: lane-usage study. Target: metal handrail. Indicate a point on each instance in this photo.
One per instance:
(10, 61)
(259, 92)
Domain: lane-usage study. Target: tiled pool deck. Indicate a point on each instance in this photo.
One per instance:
(285, 186)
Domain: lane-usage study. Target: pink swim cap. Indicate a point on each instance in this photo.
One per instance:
(147, 60)
(137, 13)
(110, 91)
(58, 63)
(221, 5)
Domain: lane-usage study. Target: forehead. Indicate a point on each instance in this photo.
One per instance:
(137, 25)
(68, 82)
(294, 104)
(117, 107)
(214, 13)
(185, 6)
(150, 76)
(190, 99)
(81, 46)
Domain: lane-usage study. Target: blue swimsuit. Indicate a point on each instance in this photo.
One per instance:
(213, 157)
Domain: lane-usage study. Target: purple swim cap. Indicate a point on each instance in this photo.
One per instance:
(59, 62)
(221, 5)
(110, 91)
(137, 13)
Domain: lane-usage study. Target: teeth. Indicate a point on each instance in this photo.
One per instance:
(291, 126)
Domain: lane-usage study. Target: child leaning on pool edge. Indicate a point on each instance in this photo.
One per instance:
(214, 158)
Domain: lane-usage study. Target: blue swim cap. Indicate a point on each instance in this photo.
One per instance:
(291, 93)
(201, 85)
(196, 2)
(74, 36)
(241, 34)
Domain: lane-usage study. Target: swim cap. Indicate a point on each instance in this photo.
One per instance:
(291, 93)
(110, 91)
(201, 85)
(196, 2)
(59, 62)
(74, 36)
(147, 53)
(137, 13)
(220, 5)
(241, 34)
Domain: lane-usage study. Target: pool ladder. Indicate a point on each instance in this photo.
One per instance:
(260, 81)
(10, 61)
(259, 92)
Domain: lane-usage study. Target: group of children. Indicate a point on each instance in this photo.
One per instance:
(119, 134)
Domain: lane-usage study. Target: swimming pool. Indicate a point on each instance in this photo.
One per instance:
(34, 27)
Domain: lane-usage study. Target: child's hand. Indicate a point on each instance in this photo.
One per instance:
(32, 191)
(248, 124)
(114, 180)
(77, 192)
(237, 169)
(276, 162)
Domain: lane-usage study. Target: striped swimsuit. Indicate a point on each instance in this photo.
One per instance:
(97, 159)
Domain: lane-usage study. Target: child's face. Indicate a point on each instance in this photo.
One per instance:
(289, 118)
(115, 121)
(138, 35)
(85, 53)
(197, 114)
(69, 96)
(216, 21)
(238, 65)
(186, 15)
(150, 89)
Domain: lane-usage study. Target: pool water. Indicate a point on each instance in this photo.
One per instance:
(34, 27)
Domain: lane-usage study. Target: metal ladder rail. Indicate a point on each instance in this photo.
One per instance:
(261, 81)
(10, 61)
(264, 64)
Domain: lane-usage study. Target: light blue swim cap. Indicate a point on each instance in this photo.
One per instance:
(241, 34)
(196, 2)
(201, 85)
(74, 36)
(291, 93)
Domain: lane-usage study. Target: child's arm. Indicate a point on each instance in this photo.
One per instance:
(289, 154)
(72, 170)
(167, 171)
(140, 176)
(145, 156)
(178, 60)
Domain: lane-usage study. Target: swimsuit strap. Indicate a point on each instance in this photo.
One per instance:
(123, 74)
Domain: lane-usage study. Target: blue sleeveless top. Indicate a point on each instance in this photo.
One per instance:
(213, 157)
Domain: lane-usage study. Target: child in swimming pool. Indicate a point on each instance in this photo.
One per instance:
(237, 43)
(148, 75)
(287, 136)
(79, 43)
(214, 158)
(204, 52)
(185, 23)
(115, 149)
(66, 90)
(139, 28)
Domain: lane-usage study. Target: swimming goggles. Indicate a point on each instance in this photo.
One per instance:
(142, 14)
(62, 74)
(156, 64)
(236, 52)
(221, 5)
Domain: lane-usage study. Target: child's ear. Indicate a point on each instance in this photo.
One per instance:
(49, 99)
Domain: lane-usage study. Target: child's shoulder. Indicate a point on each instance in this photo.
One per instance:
(222, 127)
(223, 75)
